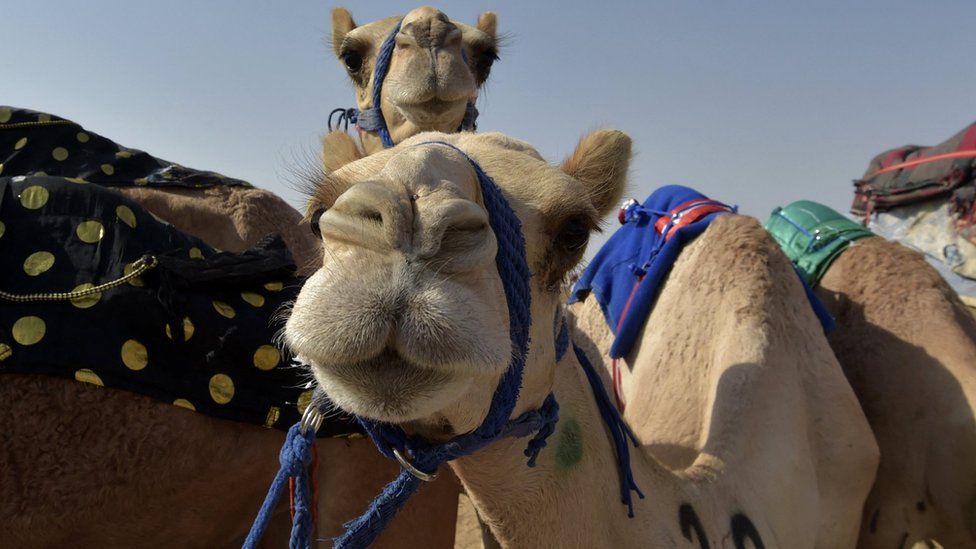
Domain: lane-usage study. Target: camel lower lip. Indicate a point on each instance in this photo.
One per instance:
(385, 387)
(427, 108)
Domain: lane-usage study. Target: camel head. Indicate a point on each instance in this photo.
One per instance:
(436, 68)
(406, 321)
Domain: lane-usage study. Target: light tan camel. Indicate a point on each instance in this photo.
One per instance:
(435, 71)
(350, 472)
(908, 349)
(788, 456)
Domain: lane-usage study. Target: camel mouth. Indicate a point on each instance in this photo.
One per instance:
(388, 387)
(431, 111)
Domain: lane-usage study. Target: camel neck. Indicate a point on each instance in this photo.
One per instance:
(574, 482)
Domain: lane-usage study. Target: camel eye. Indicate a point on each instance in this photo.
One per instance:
(482, 64)
(353, 61)
(574, 234)
(314, 222)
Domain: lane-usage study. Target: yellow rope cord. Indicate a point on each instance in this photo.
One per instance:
(32, 124)
(142, 265)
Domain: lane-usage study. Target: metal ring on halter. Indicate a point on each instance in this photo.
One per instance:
(426, 477)
(313, 418)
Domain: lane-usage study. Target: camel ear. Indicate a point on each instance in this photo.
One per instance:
(487, 23)
(342, 23)
(338, 149)
(600, 162)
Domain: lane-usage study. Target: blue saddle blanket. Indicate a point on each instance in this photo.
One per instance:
(627, 272)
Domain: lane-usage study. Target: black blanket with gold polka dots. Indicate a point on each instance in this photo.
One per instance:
(96, 289)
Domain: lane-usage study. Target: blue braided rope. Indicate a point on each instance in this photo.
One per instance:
(619, 431)
(375, 113)
(513, 269)
(295, 456)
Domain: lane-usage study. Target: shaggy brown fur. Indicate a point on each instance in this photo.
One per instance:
(84, 466)
(231, 218)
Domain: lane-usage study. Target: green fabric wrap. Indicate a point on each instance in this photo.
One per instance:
(812, 236)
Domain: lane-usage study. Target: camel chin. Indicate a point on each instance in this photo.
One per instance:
(390, 389)
(398, 343)
(436, 114)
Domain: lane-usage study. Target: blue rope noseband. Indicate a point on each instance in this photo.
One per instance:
(371, 119)
(425, 457)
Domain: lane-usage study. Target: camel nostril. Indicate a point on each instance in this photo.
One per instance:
(368, 215)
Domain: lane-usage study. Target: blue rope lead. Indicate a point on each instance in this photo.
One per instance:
(619, 431)
(295, 456)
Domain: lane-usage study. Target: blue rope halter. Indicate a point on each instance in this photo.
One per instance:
(425, 457)
(371, 119)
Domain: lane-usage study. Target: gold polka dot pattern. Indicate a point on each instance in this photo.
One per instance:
(90, 232)
(38, 263)
(126, 215)
(224, 309)
(87, 301)
(304, 400)
(135, 356)
(28, 330)
(221, 388)
(86, 375)
(266, 357)
(251, 298)
(187, 329)
(34, 197)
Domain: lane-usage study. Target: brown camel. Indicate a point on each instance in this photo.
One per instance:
(908, 347)
(788, 456)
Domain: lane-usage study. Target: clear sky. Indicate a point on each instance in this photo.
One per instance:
(753, 102)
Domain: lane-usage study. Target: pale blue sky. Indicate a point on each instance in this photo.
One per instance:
(753, 102)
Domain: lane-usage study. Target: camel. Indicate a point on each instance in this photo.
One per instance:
(234, 218)
(405, 323)
(907, 347)
(435, 70)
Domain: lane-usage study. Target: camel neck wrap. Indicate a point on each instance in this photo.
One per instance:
(371, 119)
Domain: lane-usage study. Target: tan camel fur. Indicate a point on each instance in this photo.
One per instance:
(405, 322)
(437, 67)
(908, 347)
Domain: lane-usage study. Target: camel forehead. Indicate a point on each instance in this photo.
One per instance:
(375, 33)
(532, 185)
